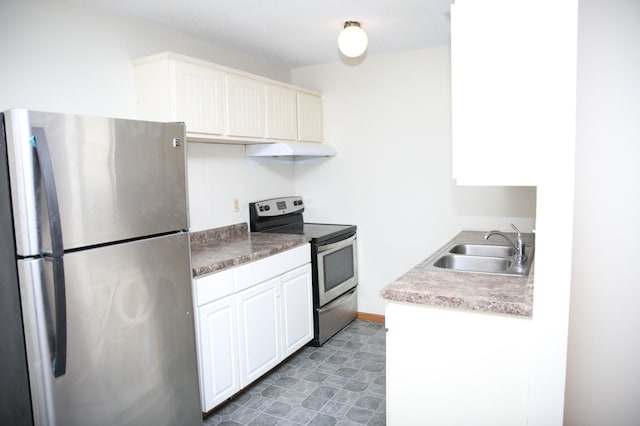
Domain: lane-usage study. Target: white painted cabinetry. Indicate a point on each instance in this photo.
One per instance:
(220, 104)
(282, 115)
(245, 107)
(258, 322)
(456, 367)
(180, 91)
(219, 357)
(511, 87)
(309, 117)
(493, 80)
(199, 95)
(249, 319)
(297, 319)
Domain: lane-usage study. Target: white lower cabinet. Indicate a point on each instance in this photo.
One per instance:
(218, 352)
(249, 319)
(297, 310)
(258, 312)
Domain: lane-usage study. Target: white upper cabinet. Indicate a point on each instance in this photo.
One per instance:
(245, 106)
(171, 90)
(220, 104)
(309, 117)
(199, 94)
(510, 88)
(282, 114)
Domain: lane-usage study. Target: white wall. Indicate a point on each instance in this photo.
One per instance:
(390, 120)
(220, 173)
(603, 366)
(65, 58)
(61, 57)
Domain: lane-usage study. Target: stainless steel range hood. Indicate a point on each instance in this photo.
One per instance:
(290, 149)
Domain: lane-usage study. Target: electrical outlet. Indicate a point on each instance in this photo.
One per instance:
(236, 204)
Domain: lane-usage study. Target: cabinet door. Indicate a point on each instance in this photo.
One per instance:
(218, 351)
(246, 106)
(309, 117)
(199, 98)
(503, 89)
(297, 315)
(281, 113)
(258, 321)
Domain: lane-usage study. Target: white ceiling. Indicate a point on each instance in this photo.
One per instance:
(294, 33)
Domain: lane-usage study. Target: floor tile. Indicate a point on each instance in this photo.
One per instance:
(341, 383)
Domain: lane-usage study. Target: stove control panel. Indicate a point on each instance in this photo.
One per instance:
(277, 206)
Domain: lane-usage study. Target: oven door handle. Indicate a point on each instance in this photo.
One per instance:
(339, 244)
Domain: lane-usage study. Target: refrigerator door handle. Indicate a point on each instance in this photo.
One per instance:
(59, 349)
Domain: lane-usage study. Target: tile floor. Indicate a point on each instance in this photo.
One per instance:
(340, 383)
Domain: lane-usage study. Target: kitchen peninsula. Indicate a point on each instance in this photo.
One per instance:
(465, 337)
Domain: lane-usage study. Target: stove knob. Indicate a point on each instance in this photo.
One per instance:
(267, 208)
(261, 208)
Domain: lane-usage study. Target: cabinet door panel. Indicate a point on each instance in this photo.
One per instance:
(309, 118)
(246, 106)
(199, 98)
(297, 316)
(219, 361)
(258, 320)
(281, 113)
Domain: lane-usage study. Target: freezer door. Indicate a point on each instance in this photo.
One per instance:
(131, 357)
(115, 179)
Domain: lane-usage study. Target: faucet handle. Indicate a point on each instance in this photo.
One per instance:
(517, 230)
(520, 255)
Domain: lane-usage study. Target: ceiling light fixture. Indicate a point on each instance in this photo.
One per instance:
(352, 40)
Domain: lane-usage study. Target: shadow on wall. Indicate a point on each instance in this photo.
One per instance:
(510, 201)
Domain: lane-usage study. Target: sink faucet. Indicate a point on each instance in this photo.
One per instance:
(520, 256)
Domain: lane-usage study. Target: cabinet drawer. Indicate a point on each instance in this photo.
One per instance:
(213, 287)
(261, 270)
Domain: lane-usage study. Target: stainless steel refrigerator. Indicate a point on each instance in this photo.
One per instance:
(96, 311)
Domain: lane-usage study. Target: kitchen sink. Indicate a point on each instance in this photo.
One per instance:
(474, 263)
(480, 258)
(483, 250)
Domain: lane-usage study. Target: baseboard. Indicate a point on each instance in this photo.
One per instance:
(370, 317)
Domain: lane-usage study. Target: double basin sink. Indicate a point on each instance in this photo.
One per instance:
(481, 258)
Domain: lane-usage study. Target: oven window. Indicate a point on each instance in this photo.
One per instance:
(338, 267)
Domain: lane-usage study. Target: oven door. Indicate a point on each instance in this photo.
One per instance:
(337, 269)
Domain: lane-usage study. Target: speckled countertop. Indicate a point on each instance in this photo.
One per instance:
(221, 248)
(428, 285)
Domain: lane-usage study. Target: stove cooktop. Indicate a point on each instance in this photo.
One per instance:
(318, 232)
(284, 216)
